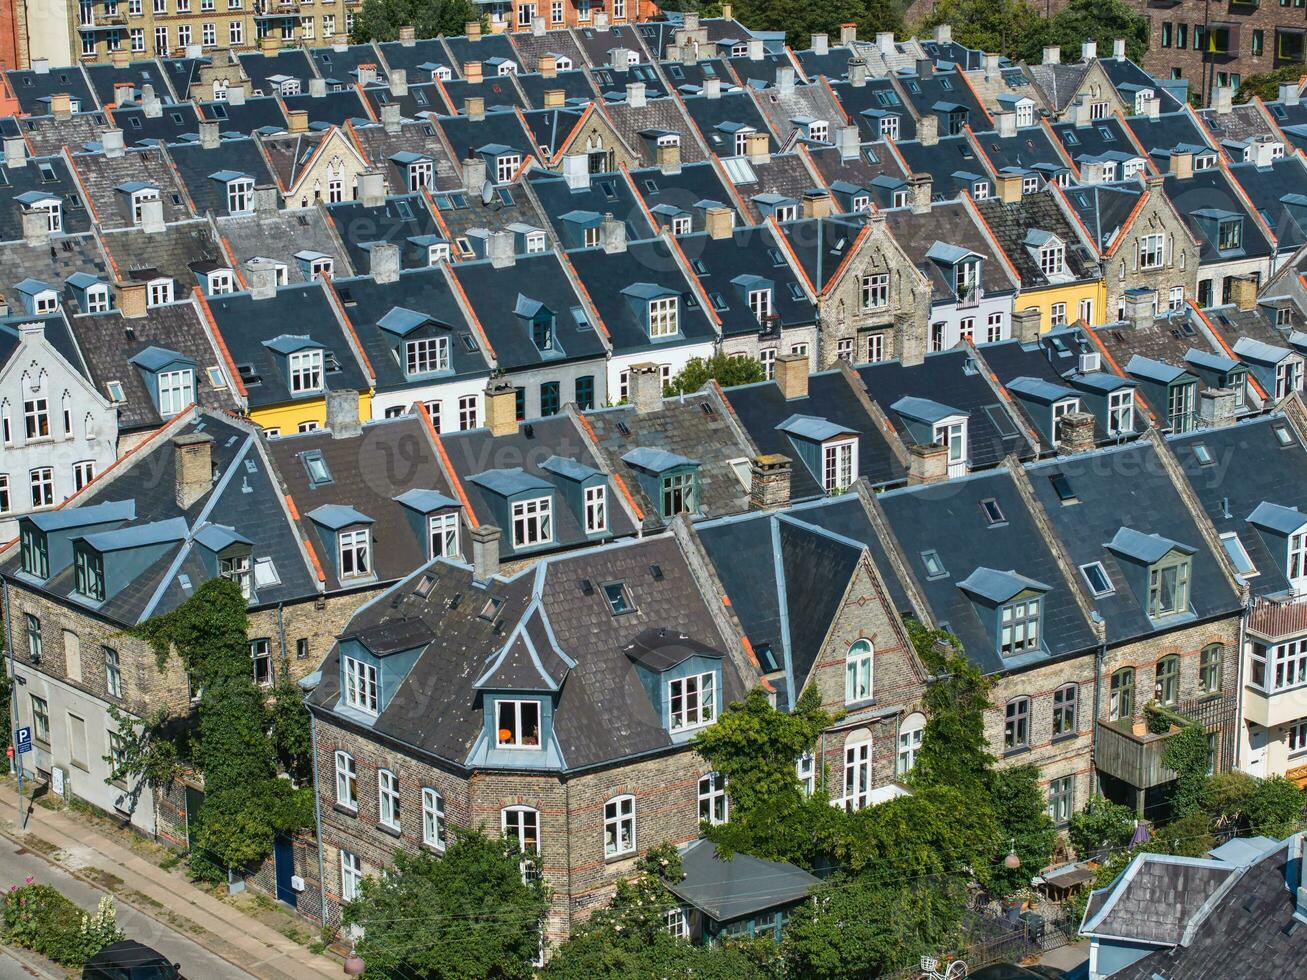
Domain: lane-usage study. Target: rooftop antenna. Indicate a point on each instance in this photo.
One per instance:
(487, 193)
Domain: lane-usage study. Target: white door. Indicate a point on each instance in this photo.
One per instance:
(1257, 739)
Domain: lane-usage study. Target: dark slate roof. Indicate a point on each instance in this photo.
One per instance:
(173, 124)
(399, 220)
(1248, 934)
(419, 137)
(1011, 225)
(341, 63)
(606, 274)
(760, 73)
(1158, 897)
(656, 114)
(612, 82)
(1148, 503)
(783, 174)
(181, 73)
(1123, 71)
(196, 165)
(686, 78)
(732, 107)
(1249, 466)
(424, 291)
(1016, 544)
(511, 208)
(49, 175)
(602, 713)
(1243, 123)
(951, 224)
(109, 342)
(943, 87)
(462, 50)
(1048, 362)
(761, 408)
(786, 579)
(1030, 146)
(834, 64)
(1277, 194)
(417, 98)
(693, 184)
(952, 164)
(727, 267)
(1167, 131)
(821, 246)
(499, 92)
(598, 43)
(33, 89)
(494, 295)
(1099, 137)
(260, 112)
(742, 886)
(102, 176)
(1058, 82)
(401, 54)
(1211, 191)
(279, 235)
(58, 333)
(53, 266)
(291, 62)
(1104, 208)
(104, 77)
(604, 194)
(368, 472)
(47, 136)
(877, 95)
(945, 378)
(693, 427)
(334, 107)
(465, 135)
(299, 309)
(174, 252)
(575, 84)
(244, 494)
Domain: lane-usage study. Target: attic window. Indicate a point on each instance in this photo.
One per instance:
(1096, 575)
(1203, 454)
(934, 566)
(1282, 435)
(618, 601)
(316, 466)
(1243, 565)
(491, 609)
(993, 513)
(1062, 487)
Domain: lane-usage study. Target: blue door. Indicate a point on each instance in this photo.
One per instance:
(283, 859)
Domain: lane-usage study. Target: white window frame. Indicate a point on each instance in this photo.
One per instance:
(426, 355)
(506, 166)
(596, 509)
(859, 672)
(805, 770)
(360, 690)
(619, 827)
(839, 465)
(858, 776)
(533, 521)
(664, 320)
(388, 799)
(911, 733)
(351, 876)
(875, 291)
(760, 303)
(442, 536)
(176, 391)
(433, 818)
(714, 804)
(347, 785)
(355, 552)
(1152, 249)
(518, 731)
(305, 369)
(1121, 412)
(691, 702)
(240, 195)
(469, 410)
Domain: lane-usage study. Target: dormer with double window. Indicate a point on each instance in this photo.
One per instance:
(136, 194)
(656, 308)
(1279, 370)
(214, 279)
(1021, 106)
(583, 490)
(374, 661)
(92, 294)
(238, 190)
(1222, 229)
(1158, 571)
(581, 229)
(1049, 252)
(502, 162)
(671, 481)
(38, 298)
(418, 170)
(1046, 403)
(419, 344)
(301, 360)
(347, 534)
(169, 378)
(521, 502)
(106, 561)
(1284, 532)
(1171, 390)
(814, 130)
(1221, 371)
(1109, 398)
(46, 540)
(51, 205)
(313, 265)
(930, 423)
(962, 270)
(1011, 607)
(436, 521)
(541, 325)
(682, 677)
(828, 450)
(952, 117)
(778, 206)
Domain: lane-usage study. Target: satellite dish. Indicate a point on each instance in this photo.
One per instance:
(487, 192)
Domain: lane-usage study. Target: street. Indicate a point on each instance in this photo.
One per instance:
(16, 863)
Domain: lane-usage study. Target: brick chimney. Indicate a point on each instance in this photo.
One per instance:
(555, 98)
(61, 105)
(792, 375)
(1075, 433)
(390, 117)
(816, 203)
(769, 481)
(920, 187)
(193, 466)
(719, 221)
(209, 134)
(297, 121)
(645, 386)
(1243, 292)
(485, 552)
(1182, 164)
(1009, 187)
(927, 464)
(928, 129)
(472, 30)
(1216, 407)
(472, 71)
(1025, 324)
(474, 107)
(129, 298)
(547, 66)
(501, 408)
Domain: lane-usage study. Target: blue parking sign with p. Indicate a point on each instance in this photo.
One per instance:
(23, 740)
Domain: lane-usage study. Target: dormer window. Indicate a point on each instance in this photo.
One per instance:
(839, 465)
(535, 242)
(533, 522)
(681, 224)
(542, 331)
(1121, 412)
(355, 549)
(1132, 168)
(966, 280)
(420, 173)
(305, 371)
(1288, 378)
(980, 190)
(46, 301)
(35, 553)
(443, 536)
(90, 574)
(506, 165)
(360, 684)
(221, 281)
(322, 266)
(1019, 626)
(591, 236)
(159, 292)
(679, 492)
(692, 701)
(596, 509)
(139, 199)
(1025, 113)
(760, 304)
(97, 299)
(236, 568)
(240, 195)
(439, 252)
(176, 391)
(1067, 406)
(517, 724)
(1168, 586)
(1052, 258)
(953, 436)
(663, 317)
(742, 141)
(818, 130)
(1230, 234)
(426, 355)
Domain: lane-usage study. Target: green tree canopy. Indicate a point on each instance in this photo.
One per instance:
(380, 20)
(1266, 86)
(1186, 753)
(1101, 824)
(799, 19)
(954, 750)
(1102, 21)
(1023, 824)
(1000, 26)
(462, 916)
(727, 369)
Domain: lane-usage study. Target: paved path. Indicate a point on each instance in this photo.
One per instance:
(164, 902)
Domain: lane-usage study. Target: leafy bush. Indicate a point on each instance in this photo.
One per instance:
(1101, 824)
(1275, 808)
(38, 917)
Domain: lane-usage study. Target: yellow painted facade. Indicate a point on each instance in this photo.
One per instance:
(286, 418)
(1070, 296)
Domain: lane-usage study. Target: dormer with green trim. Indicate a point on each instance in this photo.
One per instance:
(1011, 608)
(106, 561)
(1158, 571)
(46, 539)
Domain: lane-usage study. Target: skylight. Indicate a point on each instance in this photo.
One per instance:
(1096, 575)
(1202, 454)
(993, 513)
(1062, 487)
(615, 593)
(934, 566)
(1243, 565)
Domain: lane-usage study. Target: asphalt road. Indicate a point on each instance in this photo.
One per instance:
(196, 962)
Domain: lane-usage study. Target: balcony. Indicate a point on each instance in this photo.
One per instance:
(1276, 687)
(1129, 752)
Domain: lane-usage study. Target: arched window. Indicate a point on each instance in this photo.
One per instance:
(619, 826)
(433, 818)
(1121, 702)
(857, 770)
(1210, 666)
(1016, 724)
(1167, 684)
(910, 732)
(521, 825)
(713, 804)
(1065, 709)
(857, 672)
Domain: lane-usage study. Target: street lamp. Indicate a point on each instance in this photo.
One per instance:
(1012, 861)
(354, 965)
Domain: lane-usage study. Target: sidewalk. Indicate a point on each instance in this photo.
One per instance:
(165, 896)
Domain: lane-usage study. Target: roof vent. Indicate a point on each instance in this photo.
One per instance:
(587, 587)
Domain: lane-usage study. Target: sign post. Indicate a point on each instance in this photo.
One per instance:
(22, 743)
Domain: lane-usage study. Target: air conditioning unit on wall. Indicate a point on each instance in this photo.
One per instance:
(296, 883)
